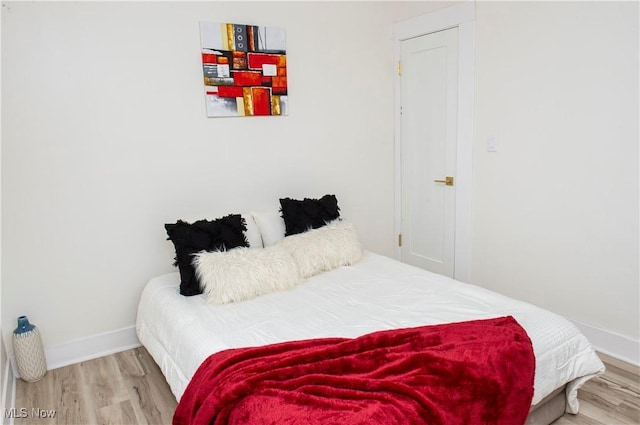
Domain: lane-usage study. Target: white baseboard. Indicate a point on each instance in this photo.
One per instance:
(92, 347)
(8, 393)
(612, 344)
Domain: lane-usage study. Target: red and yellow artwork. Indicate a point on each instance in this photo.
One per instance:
(244, 69)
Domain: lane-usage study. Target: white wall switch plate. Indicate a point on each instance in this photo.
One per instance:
(492, 143)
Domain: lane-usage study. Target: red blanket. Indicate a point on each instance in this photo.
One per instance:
(477, 372)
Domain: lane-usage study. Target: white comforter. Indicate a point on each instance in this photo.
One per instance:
(377, 293)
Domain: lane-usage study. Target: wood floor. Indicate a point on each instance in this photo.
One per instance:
(123, 388)
(128, 388)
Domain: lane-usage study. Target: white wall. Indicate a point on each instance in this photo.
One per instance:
(105, 139)
(555, 210)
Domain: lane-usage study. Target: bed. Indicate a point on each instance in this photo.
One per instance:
(376, 293)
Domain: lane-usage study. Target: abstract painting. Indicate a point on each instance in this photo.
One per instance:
(244, 69)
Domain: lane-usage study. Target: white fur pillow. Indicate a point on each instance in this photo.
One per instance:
(243, 273)
(325, 248)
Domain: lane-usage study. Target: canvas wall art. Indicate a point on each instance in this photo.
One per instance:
(244, 69)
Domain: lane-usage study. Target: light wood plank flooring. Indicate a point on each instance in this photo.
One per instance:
(123, 388)
(128, 388)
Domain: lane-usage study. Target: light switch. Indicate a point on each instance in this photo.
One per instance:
(492, 143)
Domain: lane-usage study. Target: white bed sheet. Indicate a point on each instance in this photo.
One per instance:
(377, 293)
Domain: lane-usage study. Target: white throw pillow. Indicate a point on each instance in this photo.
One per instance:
(243, 273)
(252, 234)
(271, 226)
(325, 248)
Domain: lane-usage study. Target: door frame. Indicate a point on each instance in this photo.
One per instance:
(462, 16)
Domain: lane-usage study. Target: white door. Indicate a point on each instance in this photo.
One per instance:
(429, 82)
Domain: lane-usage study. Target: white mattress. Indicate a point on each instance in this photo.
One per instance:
(377, 293)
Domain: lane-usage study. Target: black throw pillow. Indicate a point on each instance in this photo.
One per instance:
(300, 216)
(203, 235)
